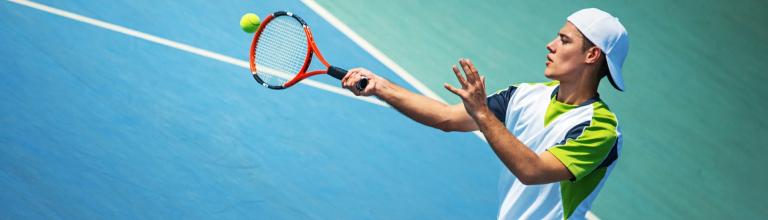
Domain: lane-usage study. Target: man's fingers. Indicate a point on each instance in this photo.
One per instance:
(346, 77)
(355, 75)
(454, 90)
(472, 67)
(368, 89)
(450, 88)
(461, 79)
(482, 83)
(465, 66)
(351, 79)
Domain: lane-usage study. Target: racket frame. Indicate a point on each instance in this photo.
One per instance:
(311, 50)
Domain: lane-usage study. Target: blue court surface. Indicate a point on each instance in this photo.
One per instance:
(98, 124)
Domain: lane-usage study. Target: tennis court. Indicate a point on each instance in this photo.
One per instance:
(99, 124)
(152, 113)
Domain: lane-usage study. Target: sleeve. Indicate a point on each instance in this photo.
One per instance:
(499, 101)
(587, 146)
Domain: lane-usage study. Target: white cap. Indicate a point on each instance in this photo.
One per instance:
(609, 35)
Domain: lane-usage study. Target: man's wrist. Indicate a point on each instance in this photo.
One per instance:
(482, 113)
(385, 90)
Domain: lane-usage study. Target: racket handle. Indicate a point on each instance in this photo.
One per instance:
(362, 84)
(339, 74)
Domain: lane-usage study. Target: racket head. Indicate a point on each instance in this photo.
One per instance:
(281, 50)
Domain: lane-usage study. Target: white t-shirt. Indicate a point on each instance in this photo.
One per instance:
(585, 137)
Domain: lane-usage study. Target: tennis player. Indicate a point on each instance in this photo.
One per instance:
(558, 140)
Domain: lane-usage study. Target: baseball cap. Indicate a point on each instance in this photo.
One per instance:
(607, 33)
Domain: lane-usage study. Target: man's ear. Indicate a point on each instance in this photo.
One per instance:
(593, 55)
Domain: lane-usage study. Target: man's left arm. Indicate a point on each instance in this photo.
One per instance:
(525, 164)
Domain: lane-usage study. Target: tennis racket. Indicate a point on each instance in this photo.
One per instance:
(282, 51)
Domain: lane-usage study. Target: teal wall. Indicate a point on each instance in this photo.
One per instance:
(693, 115)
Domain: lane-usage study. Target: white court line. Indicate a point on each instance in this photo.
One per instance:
(376, 53)
(360, 41)
(184, 47)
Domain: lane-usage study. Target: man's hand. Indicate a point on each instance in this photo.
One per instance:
(375, 83)
(472, 90)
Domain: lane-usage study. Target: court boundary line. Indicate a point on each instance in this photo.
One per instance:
(376, 53)
(373, 51)
(388, 62)
(182, 47)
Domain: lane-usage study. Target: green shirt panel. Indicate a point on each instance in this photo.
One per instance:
(585, 153)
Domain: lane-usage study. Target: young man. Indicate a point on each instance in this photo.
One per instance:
(558, 140)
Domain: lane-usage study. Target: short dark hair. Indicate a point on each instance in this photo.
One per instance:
(603, 69)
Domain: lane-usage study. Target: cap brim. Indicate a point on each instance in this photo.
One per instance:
(615, 75)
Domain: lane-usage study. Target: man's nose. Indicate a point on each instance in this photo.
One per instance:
(551, 46)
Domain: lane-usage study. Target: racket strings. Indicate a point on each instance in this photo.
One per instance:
(281, 50)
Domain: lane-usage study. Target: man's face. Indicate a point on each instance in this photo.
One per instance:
(566, 56)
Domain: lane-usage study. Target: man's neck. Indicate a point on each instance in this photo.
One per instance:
(575, 93)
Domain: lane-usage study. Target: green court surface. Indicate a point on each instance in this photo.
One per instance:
(693, 114)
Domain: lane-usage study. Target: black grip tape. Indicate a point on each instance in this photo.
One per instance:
(336, 72)
(361, 84)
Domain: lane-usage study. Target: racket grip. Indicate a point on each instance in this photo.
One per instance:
(362, 84)
(339, 74)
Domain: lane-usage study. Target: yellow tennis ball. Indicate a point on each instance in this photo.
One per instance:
(250, 22)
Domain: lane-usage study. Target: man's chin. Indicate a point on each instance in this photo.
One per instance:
(549, 75)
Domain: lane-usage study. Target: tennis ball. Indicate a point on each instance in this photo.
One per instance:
(250, 22)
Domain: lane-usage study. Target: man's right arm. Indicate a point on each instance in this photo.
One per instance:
(418, 107)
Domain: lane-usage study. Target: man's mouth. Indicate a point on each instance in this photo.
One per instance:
(549, 60)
